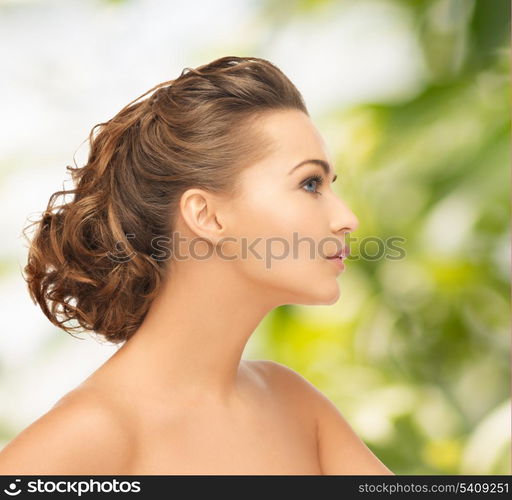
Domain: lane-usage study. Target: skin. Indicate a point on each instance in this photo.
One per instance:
(177, 397)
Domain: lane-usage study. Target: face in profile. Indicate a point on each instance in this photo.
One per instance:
(278, 199)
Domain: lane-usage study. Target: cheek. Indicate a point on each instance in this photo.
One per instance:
(278, 215)
(272, 255)
(267, 226)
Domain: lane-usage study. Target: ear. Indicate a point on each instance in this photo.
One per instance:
(199, 209)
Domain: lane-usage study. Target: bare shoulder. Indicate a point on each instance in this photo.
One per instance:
(283, 378)
(340, 450)
(81, 434)
(293, 391)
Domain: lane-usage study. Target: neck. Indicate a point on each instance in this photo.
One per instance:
(196, 330)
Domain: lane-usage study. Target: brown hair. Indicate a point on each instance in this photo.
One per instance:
(198, 130)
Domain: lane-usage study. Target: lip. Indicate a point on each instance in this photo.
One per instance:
(344, 252)
(338, 262)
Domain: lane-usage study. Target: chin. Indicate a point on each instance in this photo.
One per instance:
(326, 295)
(333, 297)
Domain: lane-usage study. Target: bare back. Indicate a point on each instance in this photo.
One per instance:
(278, 423)
(267, 430)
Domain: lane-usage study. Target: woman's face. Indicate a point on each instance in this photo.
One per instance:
(282, 204)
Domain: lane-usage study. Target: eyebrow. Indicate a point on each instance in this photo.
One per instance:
(322, 163)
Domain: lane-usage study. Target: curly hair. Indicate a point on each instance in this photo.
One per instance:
(198, 130)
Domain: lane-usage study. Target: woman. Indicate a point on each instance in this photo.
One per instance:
(173, 247)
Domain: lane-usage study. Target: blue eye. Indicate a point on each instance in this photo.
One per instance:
(316, 180)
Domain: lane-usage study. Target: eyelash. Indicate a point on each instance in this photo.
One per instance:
(316, 178)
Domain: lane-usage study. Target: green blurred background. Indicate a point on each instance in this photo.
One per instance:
(416, 352)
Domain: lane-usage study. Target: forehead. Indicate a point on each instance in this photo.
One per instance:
(294, 137)
(292, 129)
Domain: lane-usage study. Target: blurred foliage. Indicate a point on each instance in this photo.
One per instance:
(415, 352)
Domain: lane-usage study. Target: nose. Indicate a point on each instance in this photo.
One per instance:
(343, 219)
